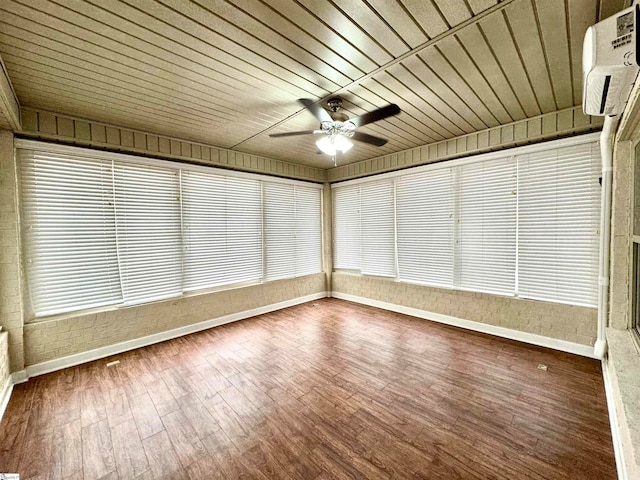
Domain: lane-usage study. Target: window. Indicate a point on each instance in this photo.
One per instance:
(148, 232)
(222, 221)
(69, 221)
(292, 230)
(377, 226)
(522, 223)
(364, 229)
(424, 209)
(486, 226)
(108, 229)
(346, 228)
(558, 222)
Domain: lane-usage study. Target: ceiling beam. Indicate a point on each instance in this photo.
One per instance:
(9, 105)
(452, 31)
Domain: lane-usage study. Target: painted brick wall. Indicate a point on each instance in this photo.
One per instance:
(4, 359)
(47, 340)
(564, 322)
(621, 221)
(10, 282)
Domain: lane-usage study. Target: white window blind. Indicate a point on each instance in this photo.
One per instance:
(424, 209)
(522, 224)
(70, 233)
(377, 229)
(148, 231)
(346, 228)
(308, 203)
(486, 226)
(280, 235)
(110, 229)
(292, 230)
(558, 221)
(222, 223)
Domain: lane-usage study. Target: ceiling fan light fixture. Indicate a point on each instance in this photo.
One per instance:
(334, 143)
(326, 146)
(341, 143)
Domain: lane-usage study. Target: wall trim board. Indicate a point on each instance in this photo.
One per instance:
(5, 396)
(109, 350)
(613, 422)
(531, 338)
(45, 125)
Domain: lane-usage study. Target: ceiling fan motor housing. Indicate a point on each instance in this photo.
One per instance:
(334, 103)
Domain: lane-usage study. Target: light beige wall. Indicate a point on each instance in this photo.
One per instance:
(47, 340)
(10, 283)
(548, 126)
(62, 128)
(623, 367)
(623, 357)
(4, 360)
(621, 218)
(563, 322)
(327, 233)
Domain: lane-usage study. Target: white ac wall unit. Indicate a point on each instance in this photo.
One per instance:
(609, 63)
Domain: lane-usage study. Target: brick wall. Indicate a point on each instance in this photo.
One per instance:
(621, 221)
(4, 359)
(71, 334)
(563, 322)
(10, 282)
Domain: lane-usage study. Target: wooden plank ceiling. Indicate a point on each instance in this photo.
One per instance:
(228, 73)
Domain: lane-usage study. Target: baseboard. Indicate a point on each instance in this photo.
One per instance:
(613, 421)
(102, 352)
(19, 377)
(540, 340)
(5, 395)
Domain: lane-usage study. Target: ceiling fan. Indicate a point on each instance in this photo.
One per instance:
(337, 128)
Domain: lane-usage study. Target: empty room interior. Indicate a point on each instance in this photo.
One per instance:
(319, 239)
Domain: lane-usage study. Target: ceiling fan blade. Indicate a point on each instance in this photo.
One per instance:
(292, 134)
(376, 115)
(320, 113)
(366, 138)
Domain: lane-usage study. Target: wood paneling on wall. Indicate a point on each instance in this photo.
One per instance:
(570, 121)
(54, 126)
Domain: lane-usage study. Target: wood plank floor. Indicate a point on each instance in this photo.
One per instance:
(323, 390)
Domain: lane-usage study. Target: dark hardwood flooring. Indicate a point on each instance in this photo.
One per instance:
(323, 390)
